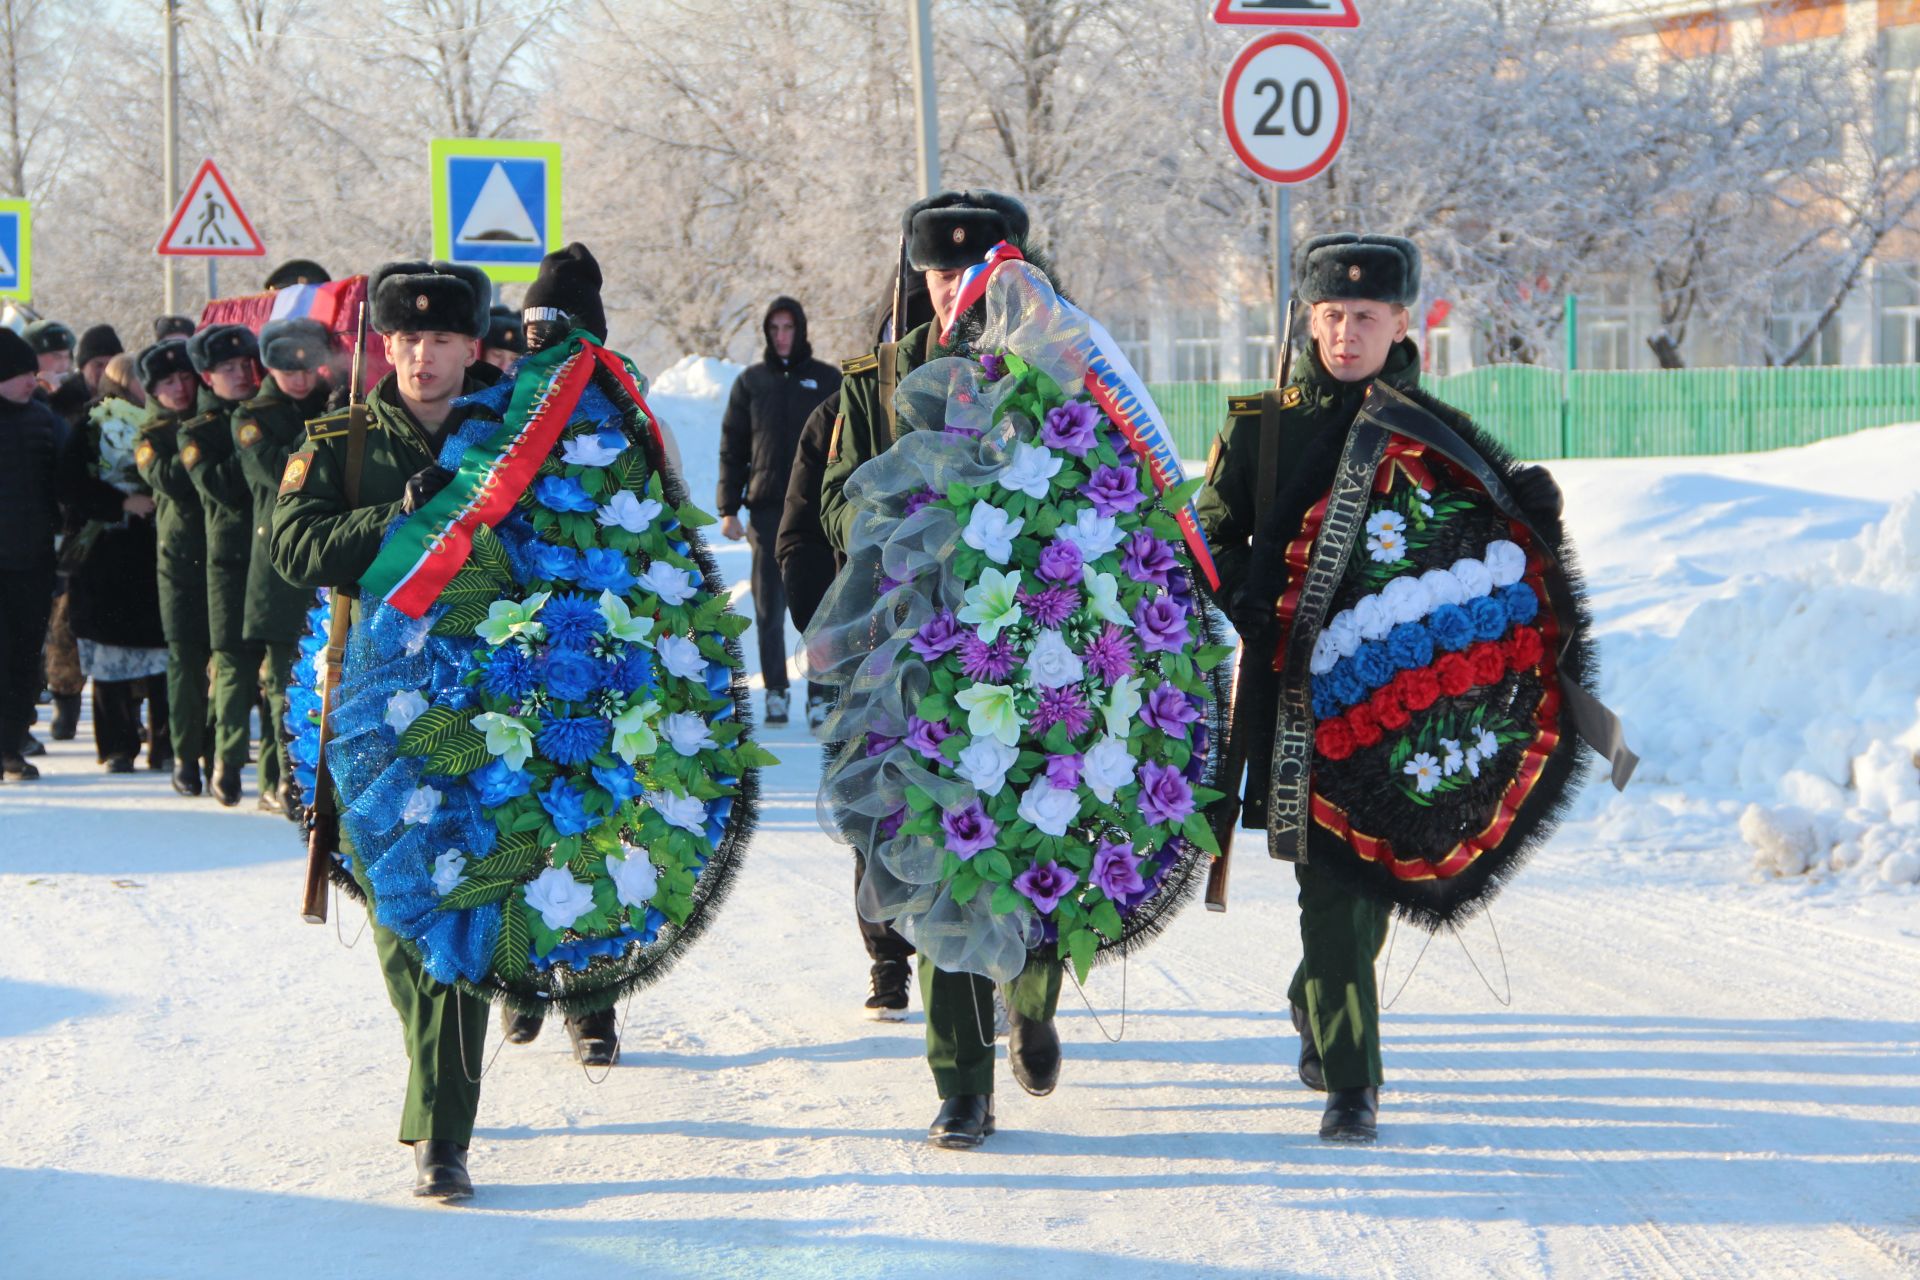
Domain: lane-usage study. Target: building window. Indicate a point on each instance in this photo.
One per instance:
(1135, 336)
(1257, 343)
(1606, 325)
(1196, 346)
(1898, 126)
(1898, 288)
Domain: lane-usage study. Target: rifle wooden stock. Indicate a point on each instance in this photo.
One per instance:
(1225, 814)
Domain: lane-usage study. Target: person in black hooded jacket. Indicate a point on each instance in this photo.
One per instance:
(765, 413)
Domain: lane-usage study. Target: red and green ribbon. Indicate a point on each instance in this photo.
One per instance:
(424, 554)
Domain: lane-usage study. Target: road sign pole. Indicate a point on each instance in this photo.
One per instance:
(1282, 257)
(170, 131)
(926, 91)
(213, 278)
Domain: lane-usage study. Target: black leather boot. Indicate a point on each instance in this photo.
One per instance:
(596, 1042)
(1033, 1051)
(518, 1027)
(889, 999)
(440, 1170)
(1352, 1115)
(1311, 1073)
(186, 777)
(964, 1122)
(226, 785)
(66, 717)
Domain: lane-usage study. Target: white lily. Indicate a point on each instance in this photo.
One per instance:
(633, 735)
(1103, 596)
(592, 451)
(507, 737)
(635, 515)
(509, 618)
(992, 603)
(621, 624)
(991, 712)
(1123, 703)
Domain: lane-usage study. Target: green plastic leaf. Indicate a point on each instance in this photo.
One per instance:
(1006, 898)
(489, 553)
(1197, 829)
(1106, 918)
(462, 618)
(434, 726)
(510, 949)
(459, 755)
(1081, 945)
(1183, 493)
(471, 893)
(693, 517)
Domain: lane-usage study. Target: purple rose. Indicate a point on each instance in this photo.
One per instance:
(1145, 558)
(1161, 624)
(925, 736)
(891, 824)
(969, 830)
(1165, 796)
(879, 744)
(1110, 654)
(1045, 883)
(1070, 427)
(918, 499)
(1063, 771)
(1116, 872)
(939, 635)
(995, 366)
(1114, 490)
(1059, 562)
(1169, 710)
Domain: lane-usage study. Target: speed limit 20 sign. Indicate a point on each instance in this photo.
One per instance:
(1285, 104)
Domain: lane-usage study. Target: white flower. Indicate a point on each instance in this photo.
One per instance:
(1103, 596)
(1371, 619)
(984, 762)
(404, 708)
(1506, 563)
(449, 869)
(1107, 767)
(1386, 547)
(1454, 759)
(621, 624)
(687, 733)
(682, 657)
(686, 812)
(509, 618)
(1473, 761)
(507, 737)
(1486, 744)
(1385, 522)
(1406, 600)
(671, 583)
(592, 451)
(633, 736)
(1443, 588)
(422, 803)
(991, 531)
(1345, 632)
(1424, 770)
(1031, 471)
(633, 514)
(1122, 705)
(1049, 809)
(559, 898)
(1053, 664)
(634, 876)
(991, 712)
(1473, 575)
(992, 603)
(1325, 654)
(1426, 509)
(1094, 534)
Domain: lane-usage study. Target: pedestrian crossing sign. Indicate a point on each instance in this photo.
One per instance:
(496, 203)
(16, 249)
(208, 222)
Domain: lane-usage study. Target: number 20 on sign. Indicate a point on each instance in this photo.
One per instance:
(1286, 108)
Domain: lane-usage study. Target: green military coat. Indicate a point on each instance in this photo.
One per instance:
(181, 526)
(266, 431)
(861, 430)
(207, 454)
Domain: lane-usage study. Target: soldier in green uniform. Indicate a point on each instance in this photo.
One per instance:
(266, 431)
(166, 370)
(1357, 290)
(430, 317)
(226, 356)
(946, 234)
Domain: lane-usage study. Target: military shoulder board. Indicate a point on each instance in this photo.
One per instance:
(329, 426)
(860, 364)
(1243, 406)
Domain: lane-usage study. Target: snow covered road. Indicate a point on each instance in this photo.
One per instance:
(1700, 1073)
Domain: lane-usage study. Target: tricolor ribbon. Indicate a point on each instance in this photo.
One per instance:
(974, 282)
(424, 554)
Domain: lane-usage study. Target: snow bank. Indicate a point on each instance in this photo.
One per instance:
(690, 397)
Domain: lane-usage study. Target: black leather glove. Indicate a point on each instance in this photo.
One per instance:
(1536, 492)
(422, 485)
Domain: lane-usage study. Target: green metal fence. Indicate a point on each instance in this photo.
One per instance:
(1625, 415)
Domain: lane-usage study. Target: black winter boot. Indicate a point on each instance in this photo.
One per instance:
(1352, 1116)
(1033, 1051)
(518, 1027)
(596, 1042)
(66, 717)
(964, 1122)
(888, 1002)
(440, 1171)
(1311, 1073)
(186, 777)
(226, 785)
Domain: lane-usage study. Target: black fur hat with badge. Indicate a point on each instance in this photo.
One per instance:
(954, 229)
(296, 271)
(162, 360)
(504, 331)
(49, 336)
(298, 344)
(216, 344)
(430, 297)
(1352, 268)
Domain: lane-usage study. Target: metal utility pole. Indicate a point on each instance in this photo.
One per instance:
(920, 25)
(170, 133)
(1282, 271)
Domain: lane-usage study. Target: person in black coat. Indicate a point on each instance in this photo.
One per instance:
(30, 436)
(113, 589)
(765, 412)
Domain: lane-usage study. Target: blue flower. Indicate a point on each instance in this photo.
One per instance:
(571, 621)
(1452, 628)
(1325, 705)
(1373, 665)
(632, 672)
(1410, 646)
(497, 784)
(1489, 617)
(1344, 682)
(1522, 604)
(559, 493)
(571, 740)
(605, 569)
(511, 673)
(619, 781)
(571, 675)
(567, 808)
(553, 564)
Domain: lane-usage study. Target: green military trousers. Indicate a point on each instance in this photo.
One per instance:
(1341, 934)
(446, 1038)
(183, 616)
(236, 687)
(960, 1020)
(273, 749)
